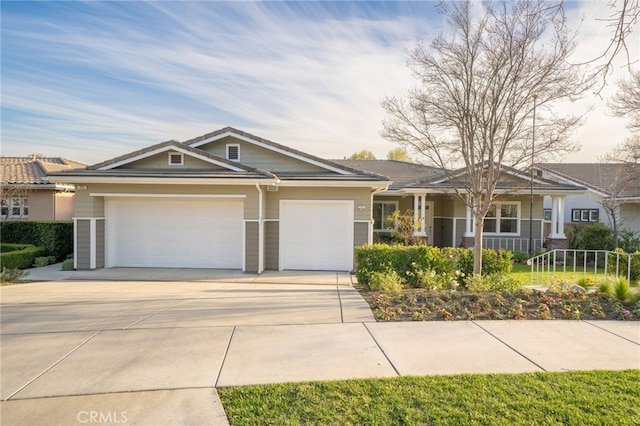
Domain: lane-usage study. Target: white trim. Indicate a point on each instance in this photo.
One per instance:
(147, 195)
(226, 150)
(518, 218)
(333, 183)
(373, 221)
(170, 154)
(169, 148)
(269, 147)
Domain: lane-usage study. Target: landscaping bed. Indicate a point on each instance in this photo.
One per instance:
(410, 304)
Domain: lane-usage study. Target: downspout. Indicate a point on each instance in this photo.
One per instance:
(261, 220)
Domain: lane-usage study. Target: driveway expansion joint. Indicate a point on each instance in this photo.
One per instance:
(53, 365)
(224, 356)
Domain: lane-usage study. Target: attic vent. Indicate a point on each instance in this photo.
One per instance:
(176, 159)
(233, 152)
(272, 188)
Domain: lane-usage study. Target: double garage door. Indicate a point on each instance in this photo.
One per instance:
(175, 232)
(209, 233)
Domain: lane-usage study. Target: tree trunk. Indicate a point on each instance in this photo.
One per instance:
(477, 250)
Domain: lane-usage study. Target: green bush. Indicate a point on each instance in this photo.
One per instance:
(41, 261)
(21, 258)
(594, 236)
(388, 282)
(500, 283)
(54, 236)
(67, 265)
(623, 265)
(426, 266)
(11, 275)
(629, 241)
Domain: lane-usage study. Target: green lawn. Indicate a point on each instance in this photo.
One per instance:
(542, 277)
(570, 398)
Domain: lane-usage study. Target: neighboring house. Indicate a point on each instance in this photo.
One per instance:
(227, 200)
(28, 193)
(444, 220)
(603, 181)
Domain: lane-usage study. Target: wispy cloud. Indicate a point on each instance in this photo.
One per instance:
(94, 80)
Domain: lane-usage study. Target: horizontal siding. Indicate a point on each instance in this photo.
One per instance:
(360, 196)
(260, 158)
(360, 233)
(161, 161)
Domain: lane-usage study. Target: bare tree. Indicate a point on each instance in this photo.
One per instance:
(12, 197)
(626, 101)
(478, 88)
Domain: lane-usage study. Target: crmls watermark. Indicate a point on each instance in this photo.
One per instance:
(103, 417)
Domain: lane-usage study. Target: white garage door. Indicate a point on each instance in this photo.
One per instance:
(175, 232)
(316, 235)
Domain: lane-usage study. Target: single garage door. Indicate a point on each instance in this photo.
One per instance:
(316, 235)
(175, 232)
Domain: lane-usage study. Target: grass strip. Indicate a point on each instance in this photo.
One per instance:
(567, 398)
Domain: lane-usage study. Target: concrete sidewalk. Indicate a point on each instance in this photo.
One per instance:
(155, 352)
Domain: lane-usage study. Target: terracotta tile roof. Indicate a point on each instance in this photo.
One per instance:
(33, 171)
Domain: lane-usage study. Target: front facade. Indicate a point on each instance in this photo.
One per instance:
(225, 200)
(604, 181)
(442, 219)
(29, 194)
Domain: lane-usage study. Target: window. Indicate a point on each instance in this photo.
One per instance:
(15, 207)
(381, 212)
(547, 214)
(233, 152)
(503, 218)
(585, 215)
(176, 159)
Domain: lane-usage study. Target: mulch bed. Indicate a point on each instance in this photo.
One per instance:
(422, 305)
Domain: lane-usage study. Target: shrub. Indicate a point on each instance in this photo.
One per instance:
(618, 288)
(20, 258)
(500, 283)
(388, 282)
(629, 241)
(67, 265)
(590, 237)
(520, 256)
(54, 236)
(623, 265)
(41, 261)
(11, 275)
(426, 266)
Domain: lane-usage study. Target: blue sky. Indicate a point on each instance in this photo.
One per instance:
(93, 80)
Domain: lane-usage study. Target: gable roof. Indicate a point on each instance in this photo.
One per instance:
(170, 146)
(232, 171)
(401, 173)
(273, 146)
(33, 171)
(598, 177)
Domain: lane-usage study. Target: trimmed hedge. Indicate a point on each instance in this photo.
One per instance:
(56, 238)
(20, 256)
(414, 263)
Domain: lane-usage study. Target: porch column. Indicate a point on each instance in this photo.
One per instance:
(416, 206)
(469, 232)
(423, 216)
(557, 217)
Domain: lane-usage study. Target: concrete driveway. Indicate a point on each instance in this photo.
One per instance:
(146, 352)
(153, 352)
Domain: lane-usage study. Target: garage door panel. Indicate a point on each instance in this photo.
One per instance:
(316, 235)
(156, 232)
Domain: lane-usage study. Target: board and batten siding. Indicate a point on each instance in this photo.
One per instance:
(271, 244)
(251, 246)
(83, 244)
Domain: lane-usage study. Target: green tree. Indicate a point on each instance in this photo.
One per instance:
(399, 154)
(362, 155)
